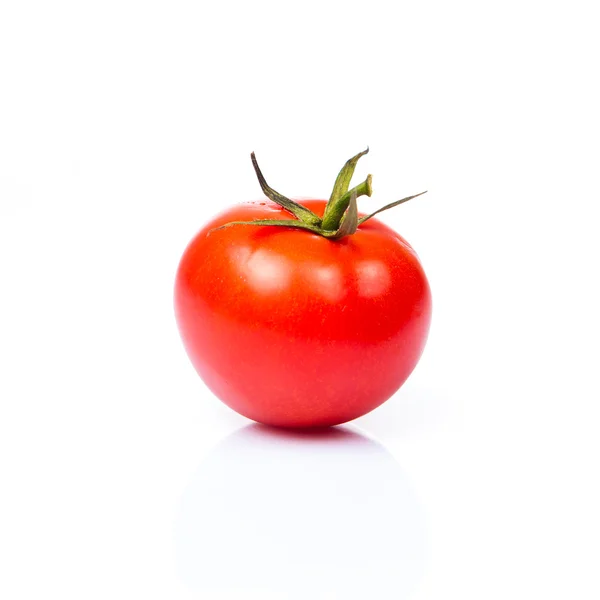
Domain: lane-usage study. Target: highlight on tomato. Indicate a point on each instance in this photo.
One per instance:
(302, 313)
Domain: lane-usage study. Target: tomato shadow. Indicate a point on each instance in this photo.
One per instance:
(322, 513)
(330, 435)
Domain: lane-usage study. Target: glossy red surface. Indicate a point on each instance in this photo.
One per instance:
(291, 329)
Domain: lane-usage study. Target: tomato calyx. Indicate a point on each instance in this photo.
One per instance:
(340, 218)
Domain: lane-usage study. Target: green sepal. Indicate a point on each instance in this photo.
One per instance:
(300, 212)
(388, 206)
(277, 223)
(342, 183)
(349, 223)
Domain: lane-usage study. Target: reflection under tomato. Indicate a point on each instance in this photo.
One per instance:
(311, 515)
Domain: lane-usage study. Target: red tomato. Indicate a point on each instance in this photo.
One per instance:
(292, 329)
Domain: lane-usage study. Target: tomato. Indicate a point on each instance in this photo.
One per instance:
(294, 329)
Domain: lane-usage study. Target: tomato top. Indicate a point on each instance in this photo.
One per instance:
(338, 218)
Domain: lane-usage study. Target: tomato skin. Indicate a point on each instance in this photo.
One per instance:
(291, 329)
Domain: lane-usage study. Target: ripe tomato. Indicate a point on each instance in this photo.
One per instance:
(294, 329)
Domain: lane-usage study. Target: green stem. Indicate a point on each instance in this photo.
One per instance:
(340, 187)
(333, 218)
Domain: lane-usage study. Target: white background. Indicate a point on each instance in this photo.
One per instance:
(125, 125)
